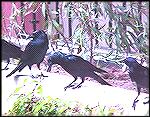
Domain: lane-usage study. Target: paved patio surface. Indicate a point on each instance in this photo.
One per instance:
(90, 93)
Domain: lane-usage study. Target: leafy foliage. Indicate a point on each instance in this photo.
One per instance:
(33, 104)
(126, 33)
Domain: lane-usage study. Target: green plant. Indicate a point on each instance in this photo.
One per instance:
(32, 103)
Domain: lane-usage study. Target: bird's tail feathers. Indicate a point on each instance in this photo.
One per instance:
(19, 67)
(100, 80)
(99, 70)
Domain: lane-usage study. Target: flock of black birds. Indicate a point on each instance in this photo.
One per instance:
(76, 66)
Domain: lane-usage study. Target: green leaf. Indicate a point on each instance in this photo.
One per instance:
(43, 8)
(35, 81)
(117, 39)
(49, 98)
(39, 89)
(107, 55)
(25, 80)
(57, 25)
(17, 89)
(96, 31)
(122, 8)
(132, 35)
(38, 106)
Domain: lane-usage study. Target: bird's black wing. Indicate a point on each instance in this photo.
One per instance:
(79, 61)
(36, 49)
(143, 77)
(146, 71)
(140, 75)
(77, 66)
(10, 50)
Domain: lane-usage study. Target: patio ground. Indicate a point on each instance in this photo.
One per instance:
(90, 93)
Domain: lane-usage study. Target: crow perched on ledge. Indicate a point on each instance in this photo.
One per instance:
(10, 51)
(34, 52)
(138, 74)
(76, 66)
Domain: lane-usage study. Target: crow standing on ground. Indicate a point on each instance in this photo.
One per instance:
(10, 51)
(34, 52)
(76, 66)
(138, 74)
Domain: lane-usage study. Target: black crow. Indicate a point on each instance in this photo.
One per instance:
(34, 52)
(76, 66)
(10, 51)
(138, 74)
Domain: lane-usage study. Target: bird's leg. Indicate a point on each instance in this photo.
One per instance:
(79, 85)
(6, 65)
(41, 75)
(33, 76)
(31, 72)
(75, 78)
(135, 100)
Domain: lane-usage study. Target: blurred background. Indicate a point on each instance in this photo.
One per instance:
(93, 30)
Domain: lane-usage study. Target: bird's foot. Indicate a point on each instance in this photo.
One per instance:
(65, 88)
(42, 75)
(134, 104)
(32, 76)
(5, 68)
(37, 76)
(146, 101)
(79, 86)
(68, 86)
